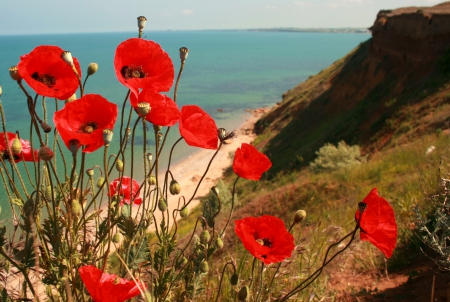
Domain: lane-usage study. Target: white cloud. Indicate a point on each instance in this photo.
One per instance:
(270, 7)
(302, 3)
(187, 12)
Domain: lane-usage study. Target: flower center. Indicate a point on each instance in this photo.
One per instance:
(46, 79)
(88, 127)
(263, 241)
(133, 72)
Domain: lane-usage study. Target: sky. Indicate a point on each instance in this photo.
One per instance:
(20, 17)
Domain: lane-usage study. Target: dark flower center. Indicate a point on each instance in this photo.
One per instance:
(45, 78)
(133, 72)
(88, 127)
(263, 241)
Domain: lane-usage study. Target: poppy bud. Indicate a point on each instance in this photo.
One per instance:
(72, 98)
(90, 172)
(149, 157)
(76, 208)
(205, 237)
(183, 261)
(28, 207)
(157, 128)
(107, 136)
(184, 212)
(14, 73)
(67, 57)
(204, 267)
(100, 182)
(74, 145)
(119, 165)
(222, 133)
(141, 22)
(92, 68)
(16, 147)
(215, 190)
(48, 193)
(219, 243)
(174, 188)
(45, 153)
(162, 204)
(116, 238)
(126, 210)
(46, 127)
(299, 216)
(243, 293)
(234, 279)
(184, 51)
(143, 109)
(151, 180)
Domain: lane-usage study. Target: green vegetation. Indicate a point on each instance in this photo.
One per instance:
(334, 158)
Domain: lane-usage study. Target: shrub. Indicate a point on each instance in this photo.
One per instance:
(334, 158)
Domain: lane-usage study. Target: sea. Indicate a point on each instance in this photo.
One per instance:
(226, 73)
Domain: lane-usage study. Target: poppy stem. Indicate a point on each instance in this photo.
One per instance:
(325, 262)
(178, 80)
(221, 278)
(232, 205)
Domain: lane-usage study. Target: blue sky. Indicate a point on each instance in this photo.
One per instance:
(62, 16)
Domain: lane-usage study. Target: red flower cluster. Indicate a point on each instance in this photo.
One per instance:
(107, 288)
(81, 120)
(47, 74)
(127, 190)
(265, 237)
(198, 128)
(378, 223)
(140, 63)
(164, 111)
(27, 154)
(249, 163)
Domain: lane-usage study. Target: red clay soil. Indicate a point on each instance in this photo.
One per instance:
(413, 284)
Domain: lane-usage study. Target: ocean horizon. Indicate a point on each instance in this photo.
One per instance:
(225, 73)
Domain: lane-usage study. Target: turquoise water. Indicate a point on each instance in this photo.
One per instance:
(226, 70)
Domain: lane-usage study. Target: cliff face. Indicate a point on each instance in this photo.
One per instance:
(383, 92)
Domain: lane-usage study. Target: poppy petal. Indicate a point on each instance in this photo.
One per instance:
(198, 128)
(249, 163)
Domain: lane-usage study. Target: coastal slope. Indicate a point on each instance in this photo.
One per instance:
(387, 91)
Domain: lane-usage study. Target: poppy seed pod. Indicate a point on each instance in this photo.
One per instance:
(107, 136)
(67, 57)
(184, 51)
(14, 73)
(149, 157)
(16, 146)
(174, 188)
(100, 182)
(76, 208)
(141, 22)
(126, 210)
(299, 216)
(234, 279)
(184, 212)
(92, 68)
(205, 237)
(157, 128)
(243, 293)
(143, 109)
(162, 204)
(45, 153)
(219, 243)
(119, 165)
(151, 180)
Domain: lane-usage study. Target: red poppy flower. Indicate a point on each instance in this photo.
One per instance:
(108, 288)
(126, 191)
(85, 119)
(378, 223)
(265, 237)
(26, 154)
(198, 128)
(163, 112)
(141, 63)
(250, 163)
(47, 74)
